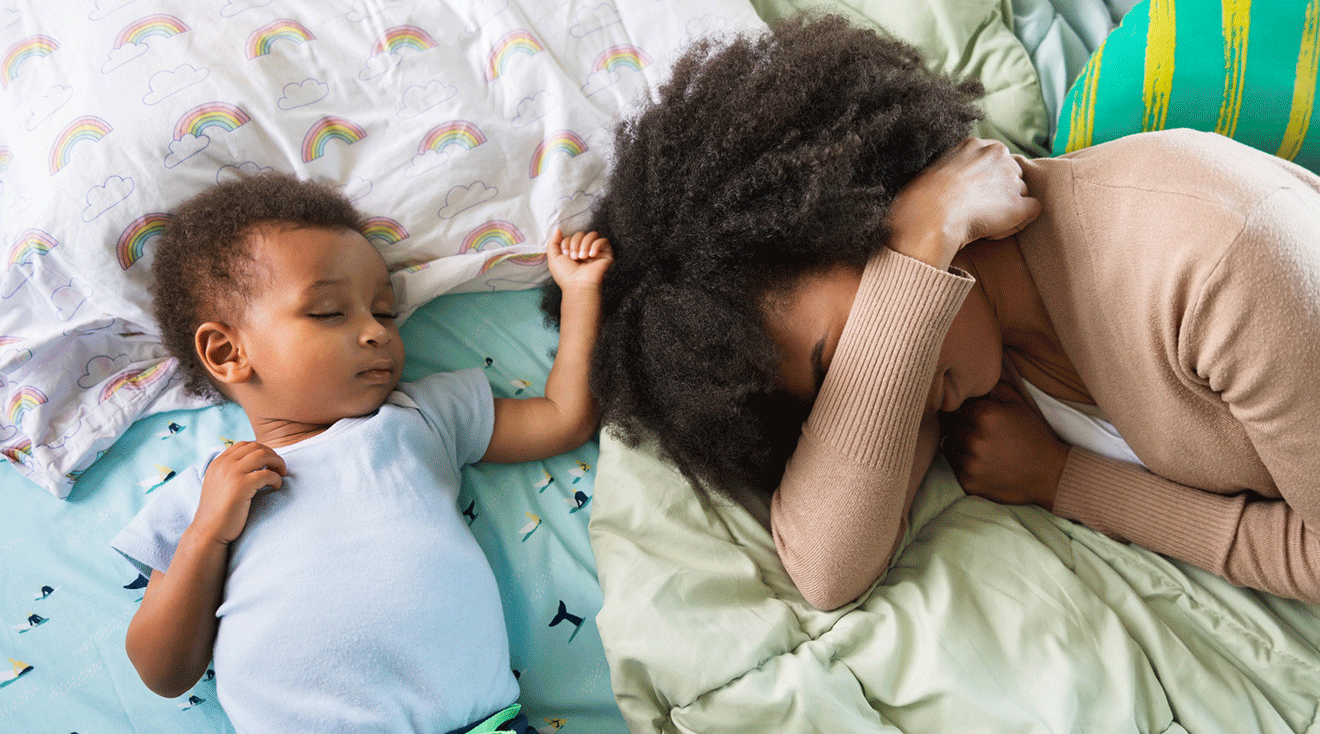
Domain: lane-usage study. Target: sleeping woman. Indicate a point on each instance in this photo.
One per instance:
(820, 281)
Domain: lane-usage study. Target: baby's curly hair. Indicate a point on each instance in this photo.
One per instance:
(765, 159)
(202, 269)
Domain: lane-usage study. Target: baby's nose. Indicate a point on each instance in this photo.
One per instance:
(375, 334)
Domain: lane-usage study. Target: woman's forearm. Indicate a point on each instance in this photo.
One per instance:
(171, 637)
(1261, 543)
(840, 508)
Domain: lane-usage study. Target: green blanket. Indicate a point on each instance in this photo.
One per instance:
(992, 619)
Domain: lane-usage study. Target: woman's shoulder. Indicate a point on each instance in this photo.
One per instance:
(1151, 212)
(1206, 169)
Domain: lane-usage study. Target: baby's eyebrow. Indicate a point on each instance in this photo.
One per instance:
(326, 282)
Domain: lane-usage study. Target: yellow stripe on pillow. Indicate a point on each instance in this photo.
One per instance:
(1161, 37)
(1303, 101)
(1237, 28)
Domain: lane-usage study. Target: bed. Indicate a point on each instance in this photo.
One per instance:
(991, 618)
(468, 129)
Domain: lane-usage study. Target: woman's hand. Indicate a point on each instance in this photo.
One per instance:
(974, 191)
(1002, 450)
(579, 261)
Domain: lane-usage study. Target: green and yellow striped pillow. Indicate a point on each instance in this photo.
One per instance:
(1245, 70)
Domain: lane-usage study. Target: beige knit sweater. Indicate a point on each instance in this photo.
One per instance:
(1181, 271)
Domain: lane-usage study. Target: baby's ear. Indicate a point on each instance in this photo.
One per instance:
(218, 347)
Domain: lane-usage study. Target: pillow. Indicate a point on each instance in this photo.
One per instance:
(960, 38)
(1247, 71)
(466, 129)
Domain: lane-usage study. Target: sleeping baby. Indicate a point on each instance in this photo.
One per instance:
(325, 566)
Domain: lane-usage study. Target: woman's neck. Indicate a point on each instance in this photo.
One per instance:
(1002, 275)
(1029, 338)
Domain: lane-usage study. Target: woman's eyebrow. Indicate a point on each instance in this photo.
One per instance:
(817, 368)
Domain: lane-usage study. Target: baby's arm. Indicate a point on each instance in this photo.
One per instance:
(171, 637)
(537, 428)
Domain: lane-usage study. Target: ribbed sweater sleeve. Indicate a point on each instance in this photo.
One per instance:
(1253, 337)
(1264, 544)
(839, 510)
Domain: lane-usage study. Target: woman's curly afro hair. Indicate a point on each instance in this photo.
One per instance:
(765, 159)
(202, 266)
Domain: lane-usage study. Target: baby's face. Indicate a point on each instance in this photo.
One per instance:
(319, 327)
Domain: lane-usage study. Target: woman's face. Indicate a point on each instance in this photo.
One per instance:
(807, 320)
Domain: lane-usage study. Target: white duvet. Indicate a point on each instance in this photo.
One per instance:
(467, 129)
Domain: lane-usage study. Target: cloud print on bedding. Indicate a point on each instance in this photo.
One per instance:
(442, 116)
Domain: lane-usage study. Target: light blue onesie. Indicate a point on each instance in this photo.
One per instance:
(357, 598)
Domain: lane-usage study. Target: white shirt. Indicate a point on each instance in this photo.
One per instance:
(357, 598)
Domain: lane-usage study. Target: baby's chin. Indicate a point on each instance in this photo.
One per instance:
(364, 408)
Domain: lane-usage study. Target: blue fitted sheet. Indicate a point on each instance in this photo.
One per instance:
(533, 531)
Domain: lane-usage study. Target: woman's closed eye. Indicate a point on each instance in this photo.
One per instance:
(326, 315)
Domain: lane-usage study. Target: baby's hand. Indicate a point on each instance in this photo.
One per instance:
(232, 480)
(580, 261)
